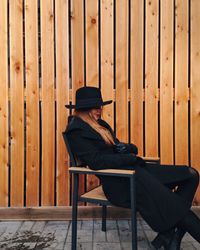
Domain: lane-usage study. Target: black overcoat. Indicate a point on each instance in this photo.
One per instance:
(158, 205)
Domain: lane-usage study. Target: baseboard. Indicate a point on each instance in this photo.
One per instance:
(64, 213)
(60, 213)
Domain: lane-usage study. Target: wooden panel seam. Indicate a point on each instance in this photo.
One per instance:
(114, 95)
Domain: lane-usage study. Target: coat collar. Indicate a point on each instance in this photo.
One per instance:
(76, 123)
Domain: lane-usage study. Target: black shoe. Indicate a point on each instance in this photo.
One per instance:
(157, 242)
(163, 239)
(176, 240)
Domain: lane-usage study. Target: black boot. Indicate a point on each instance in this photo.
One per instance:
(170, 240)
(163, 239)
(176, 240)
(191, 224)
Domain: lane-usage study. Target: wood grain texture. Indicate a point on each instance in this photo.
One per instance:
(62, 97)
(77, 49)
(136, 74)
(3, 105)
(107, 58)
(48, 102)
(156, 52)
(151, 79)
(92, 37)
(77, 54)
(92, 59)
(96, 193)
(17, 103)
(60, 213)
(195, 88)
(32, 104)
(108, 171)
(121, 22)
(181, 82)
(166, 82)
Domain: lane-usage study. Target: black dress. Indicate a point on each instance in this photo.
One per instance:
(158, 205)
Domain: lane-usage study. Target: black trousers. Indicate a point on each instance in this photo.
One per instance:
(184, 185)
(160, 206)
(186, 189)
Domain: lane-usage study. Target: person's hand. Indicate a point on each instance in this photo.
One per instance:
(120, 148)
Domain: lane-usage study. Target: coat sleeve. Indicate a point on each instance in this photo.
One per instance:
(87, 152)
(131, 148)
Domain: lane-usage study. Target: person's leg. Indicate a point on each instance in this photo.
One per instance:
(186, 189)
(183, 180)
(187, 178)
(171, 240)
(163, 239)
(191, 224)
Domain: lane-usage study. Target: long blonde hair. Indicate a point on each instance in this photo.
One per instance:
(104, 132)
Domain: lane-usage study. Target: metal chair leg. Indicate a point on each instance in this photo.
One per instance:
(104, 214)
(133, 213)
(74, 213)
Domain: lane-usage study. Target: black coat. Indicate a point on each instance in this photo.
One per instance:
(158, 205)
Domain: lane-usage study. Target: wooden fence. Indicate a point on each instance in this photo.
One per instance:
(145, 55)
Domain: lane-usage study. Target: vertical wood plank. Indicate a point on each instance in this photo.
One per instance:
(17, 103)
(136, 73)
(92, 36)
(48, 105)
(181, 83)
(77, 55)
(32, 103)
(195, 87)
(92, 57)
(77, 34)
(62, 97)
(122, 70)
(107, 58)
(3, 105)
(166, 82)
(151, 80)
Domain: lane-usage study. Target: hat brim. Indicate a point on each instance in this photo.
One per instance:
(89, 105)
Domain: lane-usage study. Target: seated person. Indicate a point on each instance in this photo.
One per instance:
(166, 211)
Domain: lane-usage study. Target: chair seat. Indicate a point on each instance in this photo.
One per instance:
(95, 195)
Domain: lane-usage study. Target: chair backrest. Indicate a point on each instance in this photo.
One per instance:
(73, 161)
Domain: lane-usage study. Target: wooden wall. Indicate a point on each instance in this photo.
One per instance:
(145, 55)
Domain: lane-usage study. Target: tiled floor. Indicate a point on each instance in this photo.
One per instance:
(57, 235)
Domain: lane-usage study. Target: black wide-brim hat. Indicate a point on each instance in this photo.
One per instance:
(88, 97)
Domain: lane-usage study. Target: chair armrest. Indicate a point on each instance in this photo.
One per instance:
(151, 159)
(108, 172)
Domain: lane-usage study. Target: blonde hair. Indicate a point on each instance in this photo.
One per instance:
(104, 132)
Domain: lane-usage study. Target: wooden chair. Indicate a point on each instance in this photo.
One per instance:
(97, 195)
